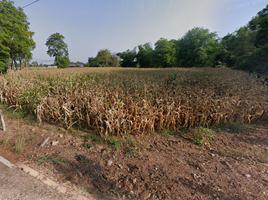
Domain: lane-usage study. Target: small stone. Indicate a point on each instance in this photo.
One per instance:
(247, 175)
(215, 195)
(266, 148)
(60, 135)
(110, 163)
(54, 143)
(120, 166)
(134, 180)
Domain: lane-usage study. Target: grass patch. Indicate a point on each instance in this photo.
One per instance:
(202, 136)
(169, 132)
(130, 147)
(87, 145)
(93, 137)
(5, 142)
(237, 127)
(82, 157)
(113, 142)
(19, 145)
(13, 113)
(41, 159)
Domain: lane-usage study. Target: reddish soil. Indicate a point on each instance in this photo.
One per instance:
(154, 166)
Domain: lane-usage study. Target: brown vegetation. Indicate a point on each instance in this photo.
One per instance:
(122, 101)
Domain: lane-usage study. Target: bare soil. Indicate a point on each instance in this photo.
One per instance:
(233, 166)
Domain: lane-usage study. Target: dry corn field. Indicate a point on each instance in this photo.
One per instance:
(116, 101)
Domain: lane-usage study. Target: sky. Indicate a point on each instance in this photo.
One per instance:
(117, 25)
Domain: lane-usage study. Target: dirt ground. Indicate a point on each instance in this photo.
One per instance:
(233, 166)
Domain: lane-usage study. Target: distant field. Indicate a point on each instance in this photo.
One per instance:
(122, 101)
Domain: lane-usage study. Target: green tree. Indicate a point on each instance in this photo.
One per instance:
(58, 48)
(238, 44)
(145, 56)
(256, 60)
(92, 62)
(128, 58)
(260, 24)
(15, 37)
(35, 63)
(197, 48)
(164, 53)
(104, 58)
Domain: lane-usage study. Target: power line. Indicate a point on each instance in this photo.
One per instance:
(30, 4)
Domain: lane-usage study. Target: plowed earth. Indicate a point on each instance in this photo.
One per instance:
(233, 166)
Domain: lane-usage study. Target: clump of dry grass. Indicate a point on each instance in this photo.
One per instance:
(123, 101)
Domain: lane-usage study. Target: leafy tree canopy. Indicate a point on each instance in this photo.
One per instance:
(104, 58)
(145, 56)
(197, 48)
(128, 58)
(164, 54)
(15, 37)
(58, 48)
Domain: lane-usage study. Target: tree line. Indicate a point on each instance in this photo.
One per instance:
(245, 49)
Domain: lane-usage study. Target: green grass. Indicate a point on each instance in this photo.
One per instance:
(93, 137)
(19, 145)
(237, 127)
(5, 142)
(13, 113)
(169, 132)
(202, 136)
(113, 142)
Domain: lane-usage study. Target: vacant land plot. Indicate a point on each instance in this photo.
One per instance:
(142, 133)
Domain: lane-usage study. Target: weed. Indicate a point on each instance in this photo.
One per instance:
(131, 154)
(93, 137)
(82, 157)
(56, 160)
(129, 141)
(19, 145)
(5, 142)
(41, 159)
(237, 127)
(87, 145)
(169, 132)
(112, 191)
(112, 141)
(202, 136)
(63, 160)
(130, 145)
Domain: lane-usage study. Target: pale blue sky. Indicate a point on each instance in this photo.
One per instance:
(118, 25)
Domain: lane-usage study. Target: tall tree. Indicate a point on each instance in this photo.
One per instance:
(15, 37)
(197, 48)
(145, 56)
(128, 58)
(238, 44)
(104, 58)
(92, 62)
(257, 60)
(260, 24)
(164, 53)
(58, 48)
